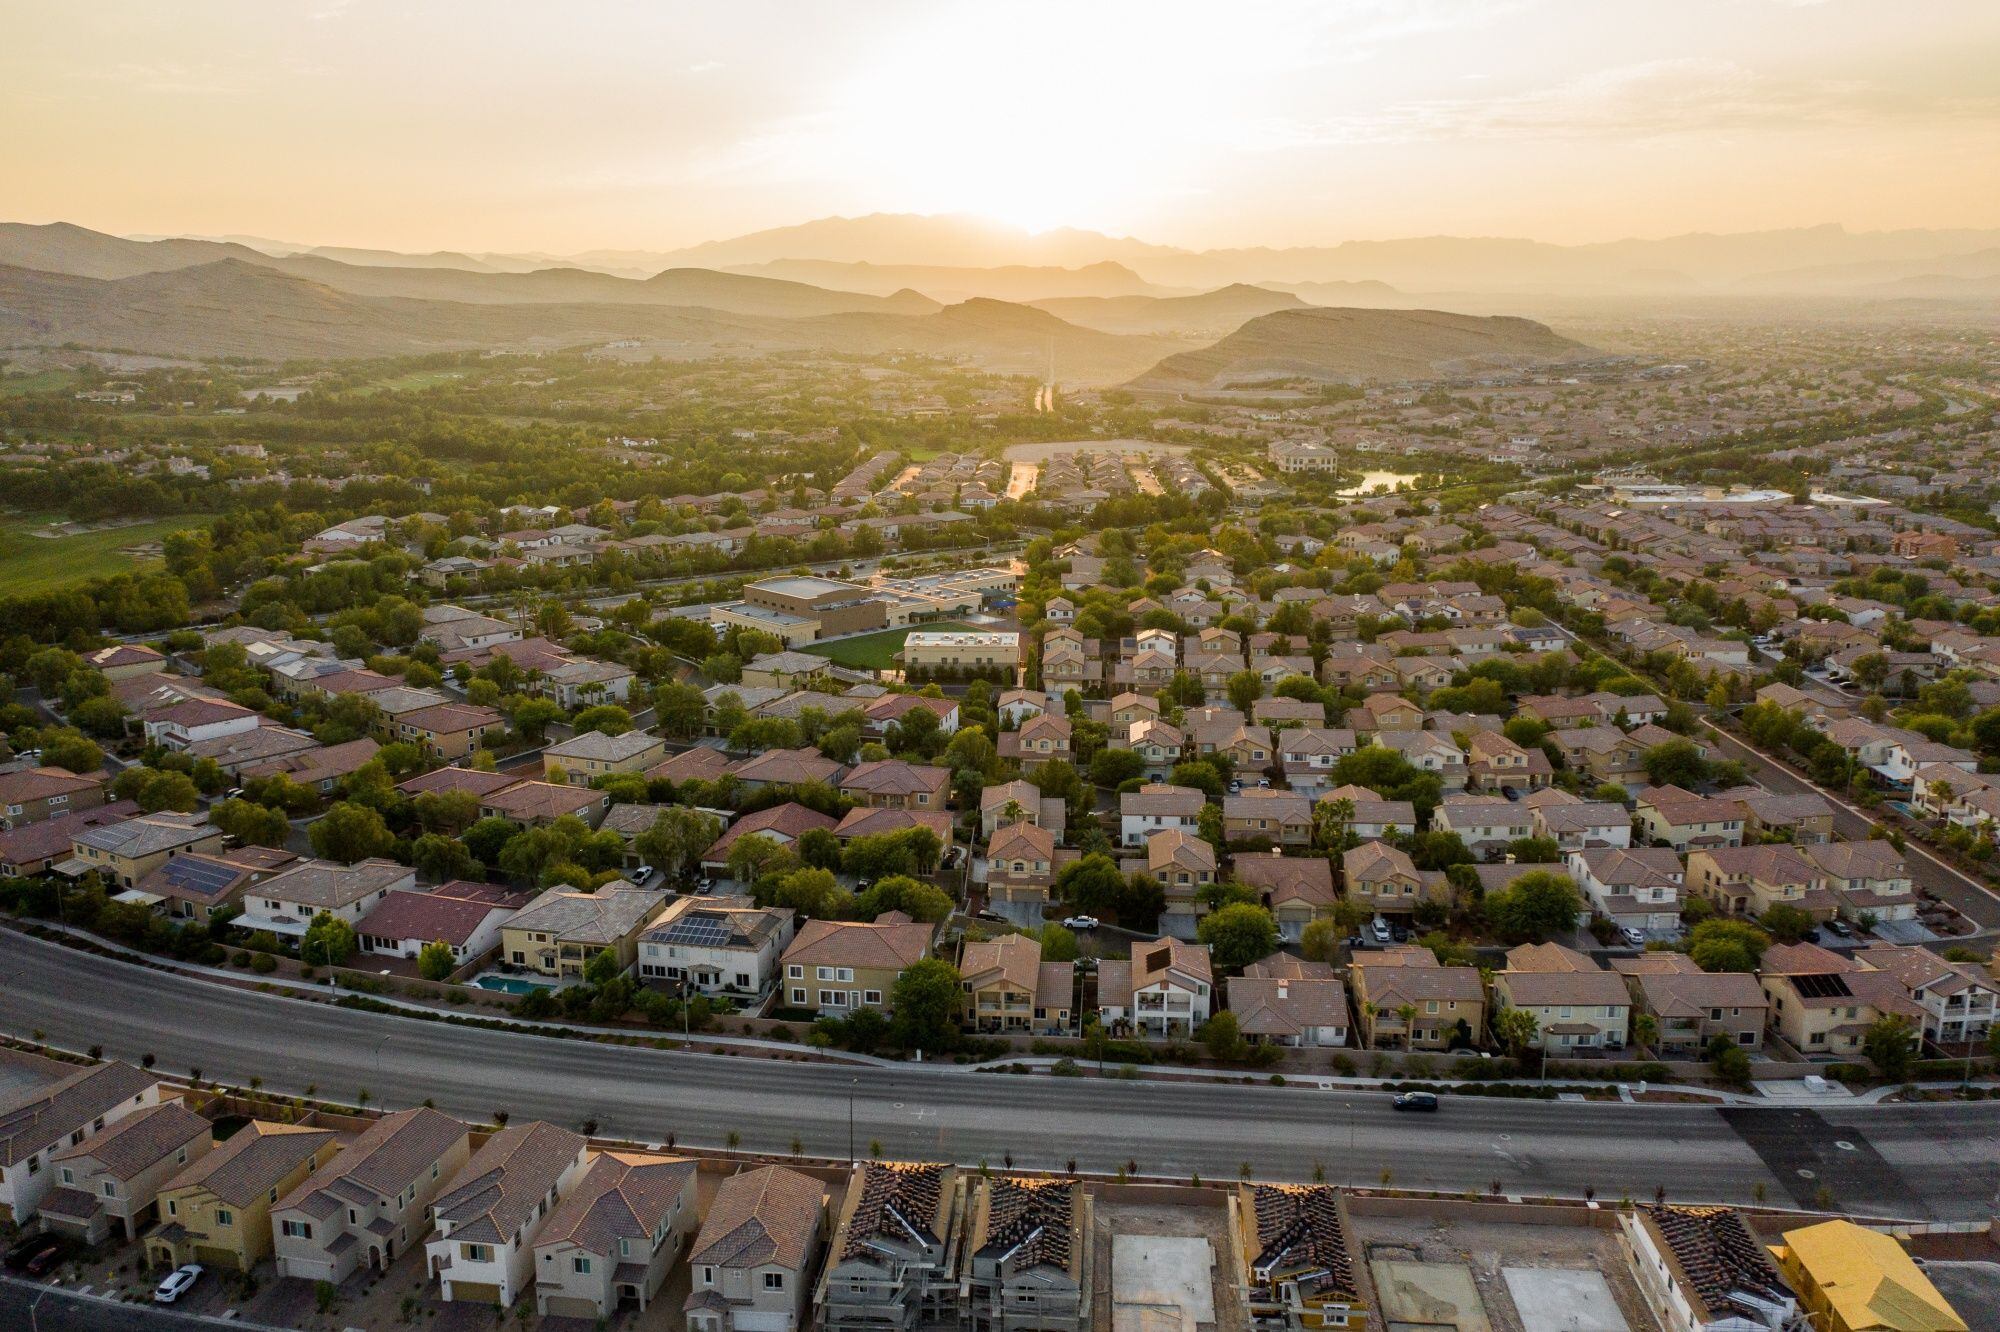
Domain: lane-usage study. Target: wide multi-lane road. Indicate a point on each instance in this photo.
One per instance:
(1940, 1161)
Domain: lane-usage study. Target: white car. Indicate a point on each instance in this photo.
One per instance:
(1635, 937)
(1080, 922)
(1381, 931)
(642, 874)
(177, 1283)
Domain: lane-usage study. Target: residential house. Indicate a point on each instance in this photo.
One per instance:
(1002, 979)
(562, 931)
(1020, 870)
(1020, 801)
(1584, 823)
(1691, 1007)
(1038, 740)
(1669, 816)
(1288, 1010)
(1308, 754)
(125, 852)
(448, 731)
(614, 1236)
(582, 759)
(1961, 1000)
(1487, 824)
(1296, 890)
(489, 1214)
(1185, 866)
(720, 946)
(30, 795)
(1166, 989)
(369, 1204)
(1383, 879)
(114, 1176)
(1866, 881)
(1158, 744)
(1282, 818)
(1156, 807)
(1750, 880)
(1849, 1278)
(1405, 999)
(536, 804)
(217, 1211)
(836, 966)
(193, 887)
(1577, 1005)
(1701, 1269)
(289, 901)
(466, 917)
(1637, 887)
(1823, 1003)
(896, 784)
(751, 1266)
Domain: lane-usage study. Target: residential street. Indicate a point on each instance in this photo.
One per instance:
(25, 1305)
(1940, 1161)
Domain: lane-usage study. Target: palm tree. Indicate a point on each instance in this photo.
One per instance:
(1340, 813)
(1408, 1012)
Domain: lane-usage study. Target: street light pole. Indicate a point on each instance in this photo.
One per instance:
(852, 1083)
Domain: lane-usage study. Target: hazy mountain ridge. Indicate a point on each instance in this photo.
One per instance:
(233, 307)
(1213, 313)
(1012, 282)
(1350, 346)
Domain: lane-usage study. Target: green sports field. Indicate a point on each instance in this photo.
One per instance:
(30, 564)
(873, 652)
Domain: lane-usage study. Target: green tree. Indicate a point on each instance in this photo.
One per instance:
(677, 836)
(1244, 689)
(926, 999)
(1676, 762)
(899, 892)
(1729, 1060)
(348, 832)
(70, 749)
(329, 941)
(1891, 1045)
(1111, 767)
(608, 718)
(1535, 906)
(1786, 923)
(1516, 1029)
(1090, 885)
(1237, 935)
(1223, 1037)
(250, 824)
(680, 709)
(532, 717)
(1059, 944)
(1721, 944)
(436, 961)
(441, 859)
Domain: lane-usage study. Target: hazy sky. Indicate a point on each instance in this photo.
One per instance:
(572, 125)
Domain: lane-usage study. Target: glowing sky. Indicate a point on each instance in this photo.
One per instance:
(569, 125)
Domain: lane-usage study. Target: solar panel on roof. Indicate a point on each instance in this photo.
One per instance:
(700, 933)
(1821, 987)
(200, 876)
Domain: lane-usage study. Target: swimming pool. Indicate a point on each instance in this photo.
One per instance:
(507, 984)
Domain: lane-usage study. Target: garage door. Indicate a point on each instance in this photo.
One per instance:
(571, 1306)
(481, 1292)
(211, 1256)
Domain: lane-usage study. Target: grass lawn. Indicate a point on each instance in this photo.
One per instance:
(874, 652)
(416, 379)
(42, 381)
(30, 564)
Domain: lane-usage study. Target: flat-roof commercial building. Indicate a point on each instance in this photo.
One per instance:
(932, 651)
(803, 608)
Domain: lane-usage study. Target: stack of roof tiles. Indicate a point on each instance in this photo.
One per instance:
(1298, 1226)
(898, 1200)
(1717, 1252)
(1031, 1219)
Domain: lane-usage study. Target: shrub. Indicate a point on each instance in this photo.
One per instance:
(263, 964)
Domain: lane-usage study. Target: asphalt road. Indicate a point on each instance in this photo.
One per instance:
(1970, 897)
(25, 1306)
(1939, 1161)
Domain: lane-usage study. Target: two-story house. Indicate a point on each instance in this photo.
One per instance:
(1691, 1007)
(896, 784)
(751, 1265)
(1405, 999)
(1025, 1262)
(114, 1177)
(1387, 882)
(49, 1117)
(1166, 989)
(489, 1214)
(836, 966)
(217, 1211)
(614, 1235)
(563, 930)
(289, 901)
(369, 1204)
(894, 1256)
(722, 946)
(1155, 807)
(1296, 890)
(1577, 1005)
(1282, 818)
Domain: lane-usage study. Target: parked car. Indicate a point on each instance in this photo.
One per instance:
(177, 1283)
(1634, 936)
(1079, 922)
(1415, 1100)
(642, 874)
(1839, 928)
(988, 913)
(1263, 783)
(37, 1255)
(1380, 929)
(1399, 933)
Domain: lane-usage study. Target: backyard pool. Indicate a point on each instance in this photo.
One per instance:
(507, 984)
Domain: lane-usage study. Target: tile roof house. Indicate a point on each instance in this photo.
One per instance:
(583, 759)
(289, 901)
(1295, 889)
(1577, 1005)
(1165, 989)
(535, 804)
(115, 1175)
(836, 966)
(1028, 804)
(1706, 1268)
(43, 1119)
(368, 1205)
(752, 1262)
(30, 795)
(1691, 1007)
(785, 767)
(467, 917)
(218, 1210)
(783, 824)
(1385, 880)
(563, 930)
(718, 945)
(34, 847)
(1824, 1003)
(1405, 999)
(896, 784)
(613, 1237)
(488, 1215)
(1291, 1011)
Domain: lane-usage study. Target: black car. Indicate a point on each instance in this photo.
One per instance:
(1415, 1100)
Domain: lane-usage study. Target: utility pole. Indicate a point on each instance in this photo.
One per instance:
(852, 1083)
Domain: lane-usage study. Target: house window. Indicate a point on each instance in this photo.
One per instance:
(68, 1175)
(173, 1208)
(774, 1281)
(295, 1229)
(224, 1217)
(707, 1276)
(871, 996)
(798, 996)
(110, 1188)
(795, 973)
(478, 1253)
(580, 1265)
